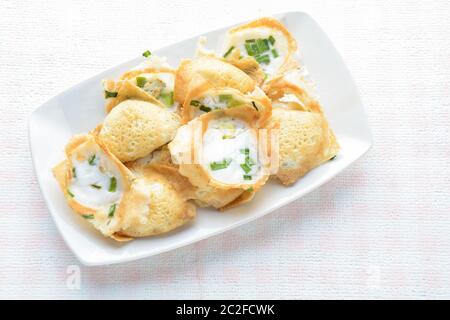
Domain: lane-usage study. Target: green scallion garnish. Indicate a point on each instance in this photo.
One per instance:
(112, 184)
(141, 81)
(70, 193)
(225, 97)
(228, 136)
(195, 103)
(247, 177)
(249, 161)
(96, 186)
(167, 98)
(245, 151)
(91, 160)
(257, 47)
(263, 45)
(251, 48)
(250, 189)
(229, 100)
(275, 53)
(110, 94)
(220, 165)
(74, 172)
(228, 52)
(112, 209)
(246, 167)
(205, 108)
(147, 54)
(263, 59)
(88, 216)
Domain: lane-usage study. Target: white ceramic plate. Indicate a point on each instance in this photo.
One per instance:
(81, 108)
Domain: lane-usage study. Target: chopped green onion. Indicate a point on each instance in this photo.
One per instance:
(167, 98)
(74, 172)
(147, 54)
(112, 184)
(245, 151)
(275, 53)
(250, 189)
(263, 45)
(249, 161)
(205, 108)
(91, 160)
(264, 59)
(246, 168)
(251, 48)
(220, 165)
(271, 40)
(225, 97)
(96, 186)
(229, 100)
(141, 81)
(195, 103)
(228, 52)
(247, 177)
(112, 209)
(110, 94)
(228, 136)
(88, 216)
(234, 103)
(70, 193)
(250, 40)
(254, 105)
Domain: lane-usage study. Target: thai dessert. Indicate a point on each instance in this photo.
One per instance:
(210, 132)
(134, 129)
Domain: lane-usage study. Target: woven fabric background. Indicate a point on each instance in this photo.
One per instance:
(381, 229)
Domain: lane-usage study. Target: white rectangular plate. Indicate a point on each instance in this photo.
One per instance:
(81, 108)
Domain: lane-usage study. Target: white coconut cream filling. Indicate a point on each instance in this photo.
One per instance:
(96, 182)
(230, 152)
(268, 46)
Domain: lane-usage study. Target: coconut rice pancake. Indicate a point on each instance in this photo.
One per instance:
(150, 85)
(134, 128)
(94, 182)
(219, 152)
(156, 203)
(267, 41)
(152, 81)
(212, 72)
(305, 142)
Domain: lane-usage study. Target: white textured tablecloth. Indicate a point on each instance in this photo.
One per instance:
(381, 229)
